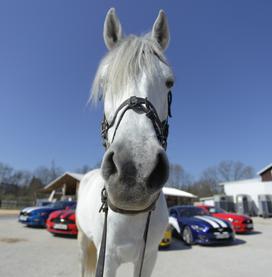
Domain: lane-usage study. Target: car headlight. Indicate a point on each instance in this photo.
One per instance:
(232, 220)
(199, 228)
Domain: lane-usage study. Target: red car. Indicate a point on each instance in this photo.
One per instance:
(62, 222)
(240, 223)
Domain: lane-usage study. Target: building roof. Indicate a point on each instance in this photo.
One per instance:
(77, 176)
(177, 192)
(265, 169)
(68, 178)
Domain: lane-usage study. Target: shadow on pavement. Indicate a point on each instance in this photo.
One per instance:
(176, 245)
(236, 242)
(250, 233)
(64, 236)
(34, 227)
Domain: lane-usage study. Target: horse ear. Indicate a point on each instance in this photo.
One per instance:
(160, 31)
(112, 29)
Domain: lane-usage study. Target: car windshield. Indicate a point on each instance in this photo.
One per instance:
(191, 211)
(55, 205)
(214, 210)
(61, 205)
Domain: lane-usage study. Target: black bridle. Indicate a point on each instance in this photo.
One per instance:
(138, 105)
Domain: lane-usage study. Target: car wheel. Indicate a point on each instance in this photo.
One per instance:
(187, 235)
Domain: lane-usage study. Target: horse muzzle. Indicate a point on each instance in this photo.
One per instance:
(134, 182)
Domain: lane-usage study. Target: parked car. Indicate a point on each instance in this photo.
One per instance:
(241, 223)
(40, 203)
(37, 216)
(167, 238)
(62, 222)
(195, 225)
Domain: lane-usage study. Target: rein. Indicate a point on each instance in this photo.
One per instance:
(105, 208)
(138, 105)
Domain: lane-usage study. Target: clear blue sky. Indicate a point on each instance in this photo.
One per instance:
(221, 53)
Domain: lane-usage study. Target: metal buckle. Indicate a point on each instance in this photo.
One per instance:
(104, 198)
(133, 101)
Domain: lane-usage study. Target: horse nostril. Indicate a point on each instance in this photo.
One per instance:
(108, 167)
(160, 172)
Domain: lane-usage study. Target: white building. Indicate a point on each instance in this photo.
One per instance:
(252, 189)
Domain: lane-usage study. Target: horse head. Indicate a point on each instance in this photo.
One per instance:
(134, 79)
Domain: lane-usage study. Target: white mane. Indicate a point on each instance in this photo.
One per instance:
(123, 65)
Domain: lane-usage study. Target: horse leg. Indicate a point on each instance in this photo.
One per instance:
(87, 255)
(111, 265)
(148, 265)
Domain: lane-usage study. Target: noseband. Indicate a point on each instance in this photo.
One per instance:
(138, 105)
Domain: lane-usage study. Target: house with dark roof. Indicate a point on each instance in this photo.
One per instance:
(266, 173)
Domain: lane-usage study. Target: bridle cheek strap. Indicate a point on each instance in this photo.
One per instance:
(138, 104)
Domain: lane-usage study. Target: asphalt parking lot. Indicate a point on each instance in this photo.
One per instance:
(36, 253)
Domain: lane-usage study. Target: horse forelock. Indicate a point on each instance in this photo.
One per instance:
(123, 65)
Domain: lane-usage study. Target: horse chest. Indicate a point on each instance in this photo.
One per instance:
(128, 252)
(127, 238)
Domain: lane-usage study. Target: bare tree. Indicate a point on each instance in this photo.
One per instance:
(228, 171)
(23, 184)
(6, 172)
(201, 188)
(207, 184)
(84, 169)
(9, 175)
(21, 177)
(35, 186)
(231, 171)
(178, 177)
(46, 175)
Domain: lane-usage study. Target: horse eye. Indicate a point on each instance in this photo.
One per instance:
(169, 83)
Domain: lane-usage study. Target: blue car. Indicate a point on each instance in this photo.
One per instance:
(194, 225)
(37, 216)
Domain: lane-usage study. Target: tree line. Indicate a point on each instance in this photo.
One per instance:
(27, 185)
(208, 183)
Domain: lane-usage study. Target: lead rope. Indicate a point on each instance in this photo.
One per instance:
(102, 252)
(145, 240)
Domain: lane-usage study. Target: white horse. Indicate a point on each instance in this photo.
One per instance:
(135, 166)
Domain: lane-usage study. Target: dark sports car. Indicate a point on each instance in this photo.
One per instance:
(37, 216)
(194, 225)
(62, 222)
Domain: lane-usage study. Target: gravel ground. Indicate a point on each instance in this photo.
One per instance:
(34, 252)
(7, 212)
